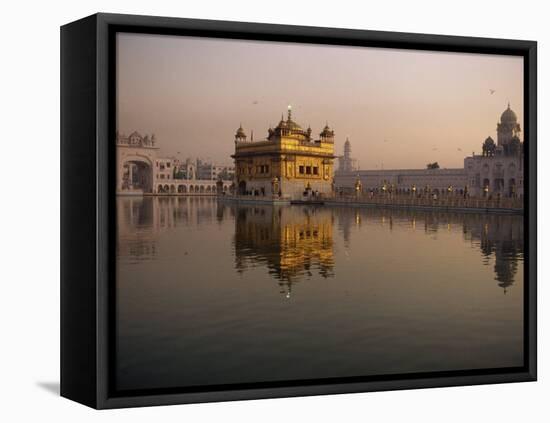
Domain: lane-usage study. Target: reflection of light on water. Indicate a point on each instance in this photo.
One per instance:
(295, 244)
(369, 310)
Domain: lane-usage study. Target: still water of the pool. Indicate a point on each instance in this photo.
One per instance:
(210, 293)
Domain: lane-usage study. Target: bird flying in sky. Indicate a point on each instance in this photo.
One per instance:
(491, 91)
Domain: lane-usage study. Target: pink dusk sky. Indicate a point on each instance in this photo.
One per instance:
(399, 108)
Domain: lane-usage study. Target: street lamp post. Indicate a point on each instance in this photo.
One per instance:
(358, 187)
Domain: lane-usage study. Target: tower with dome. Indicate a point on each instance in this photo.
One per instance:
(497, 172)
(499, 168)
(345, 162)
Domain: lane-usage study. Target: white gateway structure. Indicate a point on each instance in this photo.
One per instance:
(141, 171)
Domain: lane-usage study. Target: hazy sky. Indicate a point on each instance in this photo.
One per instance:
(399, 108)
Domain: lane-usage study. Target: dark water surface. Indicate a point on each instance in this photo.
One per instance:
(214, 294)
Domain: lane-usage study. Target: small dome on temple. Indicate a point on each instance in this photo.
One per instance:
(240, 132)
(508, 116)
(489, 140)
(327, 132)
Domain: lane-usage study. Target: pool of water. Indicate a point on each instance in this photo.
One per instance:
(210, 293)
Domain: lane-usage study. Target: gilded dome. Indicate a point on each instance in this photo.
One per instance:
(327, 132)
(293, 125)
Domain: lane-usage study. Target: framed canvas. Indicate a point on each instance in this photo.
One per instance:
(256, 211)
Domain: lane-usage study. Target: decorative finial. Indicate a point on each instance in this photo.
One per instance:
(289, 112)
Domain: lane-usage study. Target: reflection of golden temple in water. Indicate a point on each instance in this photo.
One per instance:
(292, 242)
(296, 243)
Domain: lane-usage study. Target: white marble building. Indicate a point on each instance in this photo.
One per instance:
(498, 171)
(140, 170)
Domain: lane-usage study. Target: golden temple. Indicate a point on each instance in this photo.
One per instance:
(288, 164)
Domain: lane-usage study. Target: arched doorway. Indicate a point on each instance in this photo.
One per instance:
(498, 185)
(137, 175)
(202, 188)
(242, 188)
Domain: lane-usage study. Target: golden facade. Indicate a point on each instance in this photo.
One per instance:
(289, 163)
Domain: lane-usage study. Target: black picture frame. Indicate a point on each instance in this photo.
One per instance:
(88, 222)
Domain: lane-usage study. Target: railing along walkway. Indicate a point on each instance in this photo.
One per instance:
(445, 202)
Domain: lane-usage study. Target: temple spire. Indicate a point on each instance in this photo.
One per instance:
(289, 112)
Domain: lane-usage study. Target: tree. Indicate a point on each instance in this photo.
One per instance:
(433, 165)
